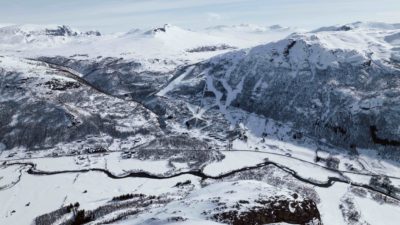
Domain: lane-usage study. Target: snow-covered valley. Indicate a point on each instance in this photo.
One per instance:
(228, 125)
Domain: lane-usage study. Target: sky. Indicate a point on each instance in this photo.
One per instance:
(123, 15)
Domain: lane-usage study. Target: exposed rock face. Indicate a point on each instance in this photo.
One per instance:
(261, 205)
(61, 86)
(159, 29)
(61, 31)
(211, 48)
(51, 31)
(339, 95)
(273, 210)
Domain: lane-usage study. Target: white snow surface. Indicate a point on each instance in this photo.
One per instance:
(159, 49)
(202, 200)
(164, 50)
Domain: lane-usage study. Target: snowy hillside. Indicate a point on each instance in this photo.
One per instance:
(338, 85)
(239, 124)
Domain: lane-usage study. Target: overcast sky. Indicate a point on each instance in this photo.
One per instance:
(123, 15)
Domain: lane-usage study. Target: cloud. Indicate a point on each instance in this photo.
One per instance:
(154, 6)
(211, 17)
(120, 15)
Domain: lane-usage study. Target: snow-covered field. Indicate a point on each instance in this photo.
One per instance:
(34, 195)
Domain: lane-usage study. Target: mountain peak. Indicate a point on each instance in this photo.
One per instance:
(44, 30)
(167, 29)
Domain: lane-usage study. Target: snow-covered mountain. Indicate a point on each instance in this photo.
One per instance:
(340, 85)
(168, 43)
(239, 124)
(37, 36)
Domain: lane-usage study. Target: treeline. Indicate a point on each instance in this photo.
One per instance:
(52, 217)
(136, 203)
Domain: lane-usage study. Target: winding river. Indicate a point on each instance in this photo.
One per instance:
(199, 173)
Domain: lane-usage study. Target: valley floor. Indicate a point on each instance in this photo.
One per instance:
(40, 184)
